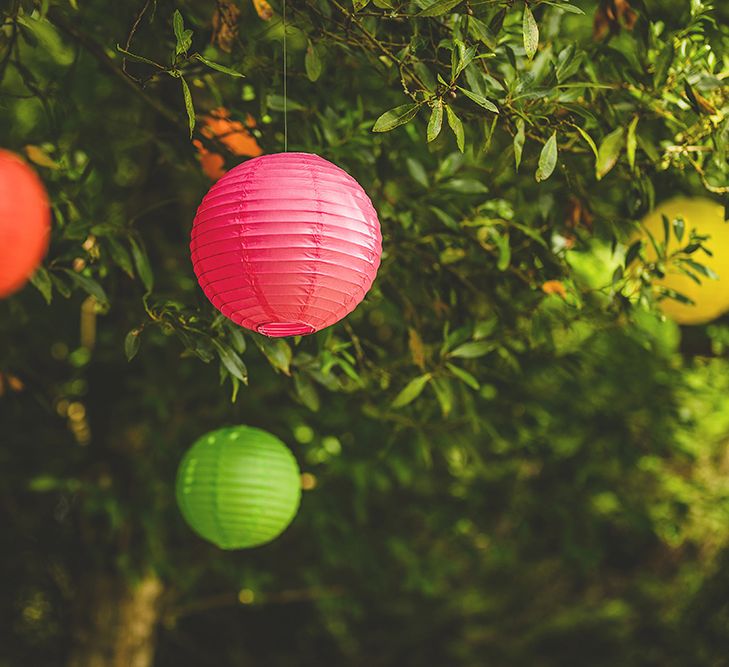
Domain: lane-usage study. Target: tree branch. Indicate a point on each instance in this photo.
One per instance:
(233, 599)
(95, 49)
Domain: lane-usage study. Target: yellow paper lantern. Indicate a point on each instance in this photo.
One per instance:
(711, 297)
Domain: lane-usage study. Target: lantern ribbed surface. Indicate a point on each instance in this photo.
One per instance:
(238, 487)
(286, 244)
(25, 222)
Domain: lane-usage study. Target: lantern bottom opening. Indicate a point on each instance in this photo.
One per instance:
(279, 329)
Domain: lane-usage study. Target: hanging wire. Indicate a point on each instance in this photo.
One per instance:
(286, 122)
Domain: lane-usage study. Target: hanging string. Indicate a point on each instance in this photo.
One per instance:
(286, 122)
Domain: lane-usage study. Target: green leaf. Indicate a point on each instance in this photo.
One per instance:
(277, 351)
(237, 339)
(609, 152)
(217, 66)
(472, 350)
(488, 133)
(679, 226)
(633, 252)
(453, 338)
(631, 142)
(479, 99)
(446, 219)
(564, 6)
(131, 343)
(519, 139)
(279, 103)
(44, 483)
(502, 242)
(457, 127)
(444, 394)
(568, 63)
(691, 248)
(439, 7)
(617, 275)
(188, 105)
(61, 286)
(463, 376)
(141, 262)
(481, 31)
(412, 390)
(41, 280)
(666, 228)
(89, 285)
(425, 75)
(360, 4)
(183, 37)
(663, 64)
(531, 233)
(178, 24)
(306, 391)
(547, 159)
(349, 370)
(452, 255)
(312, 62)
(485, 328)
(678, 296)
(436, 120)
(449, 166)
(700, 268)
(530, 30)
(46, 36)
(235, 382)
(232, 362)
(660, 248)
(120, 256)
(466, 186)
(396, 117)
(417, 171)
(461, 57)
(588, 139)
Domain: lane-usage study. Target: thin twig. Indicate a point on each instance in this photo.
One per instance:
(98, 52)
(716, 189)
(130, 36)
(403, 68)
(232, 599)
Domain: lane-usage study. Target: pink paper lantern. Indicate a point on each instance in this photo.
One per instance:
(286, 244)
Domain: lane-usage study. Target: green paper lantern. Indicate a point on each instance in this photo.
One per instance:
(238, 487)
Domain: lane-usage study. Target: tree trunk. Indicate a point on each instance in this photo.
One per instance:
(116, 622)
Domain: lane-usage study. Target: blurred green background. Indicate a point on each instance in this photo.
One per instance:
(509, 456)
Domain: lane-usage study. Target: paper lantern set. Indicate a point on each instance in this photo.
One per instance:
(25, 222)
(711, 297)
(284, 245)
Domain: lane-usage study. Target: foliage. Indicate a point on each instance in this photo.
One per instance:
(514, 459)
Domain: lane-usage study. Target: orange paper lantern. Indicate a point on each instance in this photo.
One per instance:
(25, 221)
(232, 134)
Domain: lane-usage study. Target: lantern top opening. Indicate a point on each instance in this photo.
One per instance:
(285, 329)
